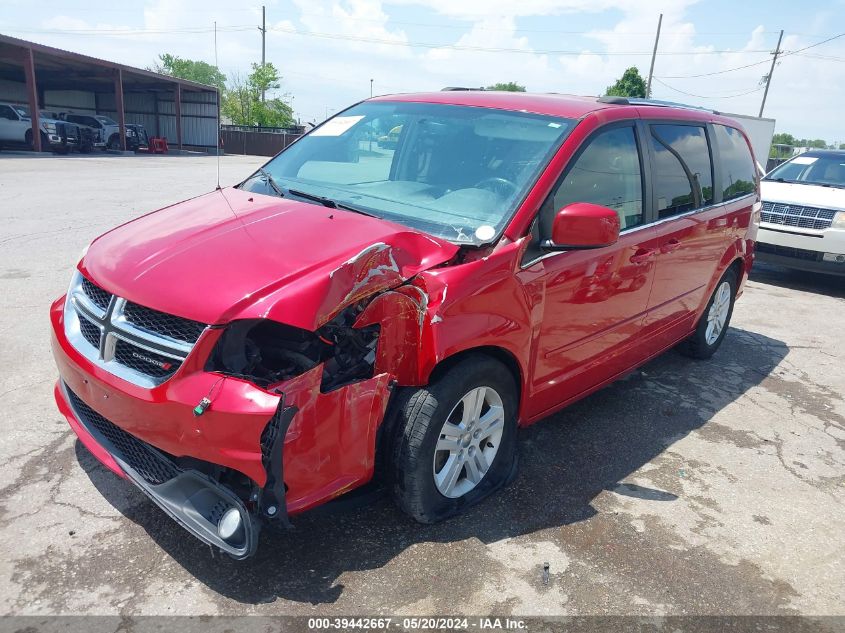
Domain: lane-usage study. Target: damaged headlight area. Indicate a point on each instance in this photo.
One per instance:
(268, 353)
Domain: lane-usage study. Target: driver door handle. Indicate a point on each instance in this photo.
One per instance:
(670, 246)
(642, 255)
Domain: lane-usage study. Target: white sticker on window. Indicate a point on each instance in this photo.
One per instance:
(804, 160)
(485, 232)
(336, 126)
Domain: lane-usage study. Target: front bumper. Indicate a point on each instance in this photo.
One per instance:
(194, 500)
(327, 443)
(812, 251)
(799, 259)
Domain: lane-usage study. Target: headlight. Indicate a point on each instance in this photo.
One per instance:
(839, 221)
(50, 128)
(268, 353)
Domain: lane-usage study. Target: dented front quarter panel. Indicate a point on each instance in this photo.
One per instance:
(318, 298)
(452, 309)
(331, 442)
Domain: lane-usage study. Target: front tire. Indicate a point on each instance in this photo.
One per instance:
(714, 321)
(454, 441)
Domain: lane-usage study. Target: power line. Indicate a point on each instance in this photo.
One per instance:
(486, 49)
(689, 94)
(130, 31)
(765, 61)
(373, 40)
(718, 72)
(830, 58)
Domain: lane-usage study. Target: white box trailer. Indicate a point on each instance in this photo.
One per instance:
(760, 132)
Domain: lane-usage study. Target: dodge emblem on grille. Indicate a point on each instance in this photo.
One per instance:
(152, 361)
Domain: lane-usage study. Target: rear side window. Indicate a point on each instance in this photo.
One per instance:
(6, 113)
(735, 163)
(683, 176)
(608, 173)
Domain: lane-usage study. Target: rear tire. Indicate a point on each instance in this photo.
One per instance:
(714, 321)
(445, 457)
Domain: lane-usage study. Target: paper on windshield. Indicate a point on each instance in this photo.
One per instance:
(336, 126)
(804, 160)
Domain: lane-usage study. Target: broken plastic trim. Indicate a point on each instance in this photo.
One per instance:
(271, 501)
(269, 353)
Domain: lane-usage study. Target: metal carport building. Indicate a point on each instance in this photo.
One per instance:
(184, 112)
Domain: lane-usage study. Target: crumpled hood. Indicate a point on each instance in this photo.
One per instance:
(805, 195)
(232, 254)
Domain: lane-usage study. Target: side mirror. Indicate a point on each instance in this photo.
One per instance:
(583, 225)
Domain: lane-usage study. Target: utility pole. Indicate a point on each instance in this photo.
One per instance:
(653, 56)
(771, 70)
(371, 88)
(263, 29)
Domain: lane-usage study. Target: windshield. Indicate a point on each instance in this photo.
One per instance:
(827, 170)
(453, 171)
(106, 120)
(21, 110)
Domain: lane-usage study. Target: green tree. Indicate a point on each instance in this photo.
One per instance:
(192, 70)
(842, 146)
(509, 86)
(630, 84)
(782, 138)
(243, 105)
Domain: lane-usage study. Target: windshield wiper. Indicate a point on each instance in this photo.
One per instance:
(792, 182)
(806, 182)
(275, 187)
(328, 202)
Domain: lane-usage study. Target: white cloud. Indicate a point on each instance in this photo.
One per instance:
(330, 73)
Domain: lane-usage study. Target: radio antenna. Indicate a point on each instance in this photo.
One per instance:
(217, 130)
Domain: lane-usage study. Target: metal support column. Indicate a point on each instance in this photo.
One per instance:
(177, 95)
(32, 96)
(118, 104)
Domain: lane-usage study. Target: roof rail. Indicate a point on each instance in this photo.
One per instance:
(668, 104)
(458, 88)
(614, 100)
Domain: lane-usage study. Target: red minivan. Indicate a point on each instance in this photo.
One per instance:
(356, 309)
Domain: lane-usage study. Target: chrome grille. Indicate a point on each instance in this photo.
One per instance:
(144, 361)
(138, 344)
(90, 331)
(100, 297)
(164, 324)
(798, 215)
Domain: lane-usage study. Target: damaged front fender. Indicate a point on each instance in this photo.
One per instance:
(320, 294)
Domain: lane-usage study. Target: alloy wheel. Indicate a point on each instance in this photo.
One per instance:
(717, 316)
(468, 442)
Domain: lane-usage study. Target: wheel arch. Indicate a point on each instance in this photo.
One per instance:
(497, 353)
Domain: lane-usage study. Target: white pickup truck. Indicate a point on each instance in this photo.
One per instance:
(16, 127)
(106, 130)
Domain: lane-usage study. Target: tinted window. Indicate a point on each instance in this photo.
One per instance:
(735, 163)
(683, 178)
(606, 173)
(6, 113)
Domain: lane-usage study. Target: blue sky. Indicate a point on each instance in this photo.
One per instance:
(328, 50)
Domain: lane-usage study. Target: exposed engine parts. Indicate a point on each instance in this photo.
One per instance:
(268, 353)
